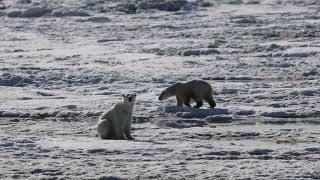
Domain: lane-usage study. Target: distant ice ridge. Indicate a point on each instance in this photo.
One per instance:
(216, 114)
(285, 114)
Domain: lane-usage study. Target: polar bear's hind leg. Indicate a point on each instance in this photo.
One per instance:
(105, 130)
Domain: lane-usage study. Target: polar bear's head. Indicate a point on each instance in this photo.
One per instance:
(129, 98)
(170, 91)
(165, 95)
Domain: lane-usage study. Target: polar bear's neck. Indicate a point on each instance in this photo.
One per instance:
(126, 107)
(174, 88)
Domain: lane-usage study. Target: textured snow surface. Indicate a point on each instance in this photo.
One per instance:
(163, 148)
(62, 63)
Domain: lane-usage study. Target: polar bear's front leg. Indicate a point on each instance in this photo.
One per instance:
(127, 129)
(118, 133)
(179, 101)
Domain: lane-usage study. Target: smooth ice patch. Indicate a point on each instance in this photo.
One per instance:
(191, 112)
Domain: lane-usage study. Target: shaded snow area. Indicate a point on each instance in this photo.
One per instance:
(62, 63)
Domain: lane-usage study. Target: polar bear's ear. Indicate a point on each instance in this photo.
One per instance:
(123, 95)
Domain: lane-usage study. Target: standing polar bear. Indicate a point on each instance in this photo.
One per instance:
(116, 122)
(195, 89)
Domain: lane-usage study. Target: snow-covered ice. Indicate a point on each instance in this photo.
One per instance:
(62, 63)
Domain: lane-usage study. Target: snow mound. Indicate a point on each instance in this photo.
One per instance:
(282, 114)
(309, 93)
(98, 19)
(23, 1)
(234, 2)
(9, 114)
(174, 5)
(198, 52)
(300, 52)
(285, 114)
(173, 123)
(69, 13)
(260, 151)
(35, 12)
(218, 119)
(306, 92)
(311, 73)
(246, 20)
(110, 178)
(32, 12)
(313, 149)
(14, 14)
(2, 7)
(7, 79)
(139, 6)
(243, 112)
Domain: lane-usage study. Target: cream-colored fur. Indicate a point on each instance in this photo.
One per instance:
(196, 89)
(115, 123)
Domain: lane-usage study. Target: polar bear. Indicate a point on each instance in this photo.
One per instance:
(195, 89)
(115, 123)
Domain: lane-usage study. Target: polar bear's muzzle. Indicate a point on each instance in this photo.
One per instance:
(130, 97)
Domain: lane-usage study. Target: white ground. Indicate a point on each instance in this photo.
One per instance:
(58, 74)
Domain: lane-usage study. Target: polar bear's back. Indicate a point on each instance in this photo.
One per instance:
(198, 88)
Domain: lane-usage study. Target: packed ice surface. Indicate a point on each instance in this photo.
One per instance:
(62, 63)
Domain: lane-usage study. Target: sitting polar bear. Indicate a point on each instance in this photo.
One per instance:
(116, 122)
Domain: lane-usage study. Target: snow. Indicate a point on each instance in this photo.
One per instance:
(161, 152)
(63, 63)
